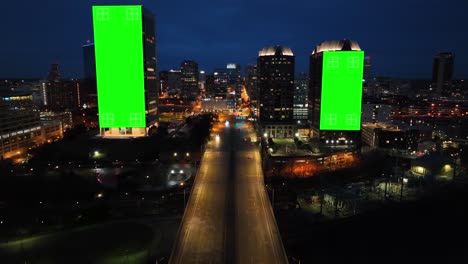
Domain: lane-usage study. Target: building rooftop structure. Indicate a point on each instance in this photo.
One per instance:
(333, 45)
(276, 51)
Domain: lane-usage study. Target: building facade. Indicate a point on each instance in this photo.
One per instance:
(301, 86)
(275, 81)
(189, 79)
(442, 72)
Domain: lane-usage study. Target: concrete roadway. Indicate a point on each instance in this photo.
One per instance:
(228, 218)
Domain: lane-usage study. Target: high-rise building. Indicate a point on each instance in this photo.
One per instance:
(189, 79)
(54, 73)
(335, 91)
(126, 81)
(174, 82)
(89, 89)
(442, 72)
(367, 68)
(163, 82)
(251, 84)
(275, 73)
(210, 85)
(301, 86)
(201, 83)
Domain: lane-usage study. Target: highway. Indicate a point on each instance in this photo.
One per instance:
(228, 218)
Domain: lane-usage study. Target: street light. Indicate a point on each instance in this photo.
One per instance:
(297, 134)
(265, 135)
(175, 154)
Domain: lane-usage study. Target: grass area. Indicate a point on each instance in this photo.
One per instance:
(108, 243)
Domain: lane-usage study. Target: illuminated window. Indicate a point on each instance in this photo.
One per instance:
(332, 62)
(330, 119)
(103, 13)
(353, 62)
(132, 13)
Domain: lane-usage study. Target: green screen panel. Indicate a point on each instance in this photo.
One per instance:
(118, 43)
(340, 107)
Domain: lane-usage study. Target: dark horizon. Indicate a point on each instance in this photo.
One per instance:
(401, 41)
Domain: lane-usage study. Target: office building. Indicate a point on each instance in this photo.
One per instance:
(189, 79)
(89, 87)
(335, 91)
(174, 82)
(442, 73)
(20, 126)
(251, 83)
(301, 86)
(126, 81)
(163, 82)
(275, 81)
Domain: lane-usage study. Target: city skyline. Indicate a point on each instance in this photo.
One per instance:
(401, 41)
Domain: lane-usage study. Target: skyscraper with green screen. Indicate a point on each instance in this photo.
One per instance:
(125, 48)
(335, 91)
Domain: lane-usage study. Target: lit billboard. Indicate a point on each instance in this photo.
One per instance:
(118, 42)
(340, 107)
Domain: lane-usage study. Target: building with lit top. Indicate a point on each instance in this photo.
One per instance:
(335, 92)
(275, 82)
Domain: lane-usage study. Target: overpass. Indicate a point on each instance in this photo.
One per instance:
(228, 218)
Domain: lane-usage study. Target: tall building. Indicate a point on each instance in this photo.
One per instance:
(163, 82)
(174, 82)
(442, 72)
(201, 83)
(275, 73)
(367, 68)
(89, 82)
(210, 85)
(61, 95)
(301, 86)
(54, 73)
(251, 84)
(335, 91)
(189, 79)
(126, 81)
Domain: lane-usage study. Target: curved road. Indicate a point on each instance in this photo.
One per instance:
(228, 218)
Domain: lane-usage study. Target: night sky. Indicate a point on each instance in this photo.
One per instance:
(401, 36)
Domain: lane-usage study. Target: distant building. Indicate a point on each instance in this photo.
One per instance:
(275, 81)
(89, 82)
(20, 126)
(163, 82)
(335, 91)
(189, 79)
(442, 72)
(54, 73)
(210, 85)
(367, 68)
(251, 83)
(376, 113)
(64, 95)
(234, 71)
(301, 87)
(202, 82)
(174, 82)
(221, 81)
